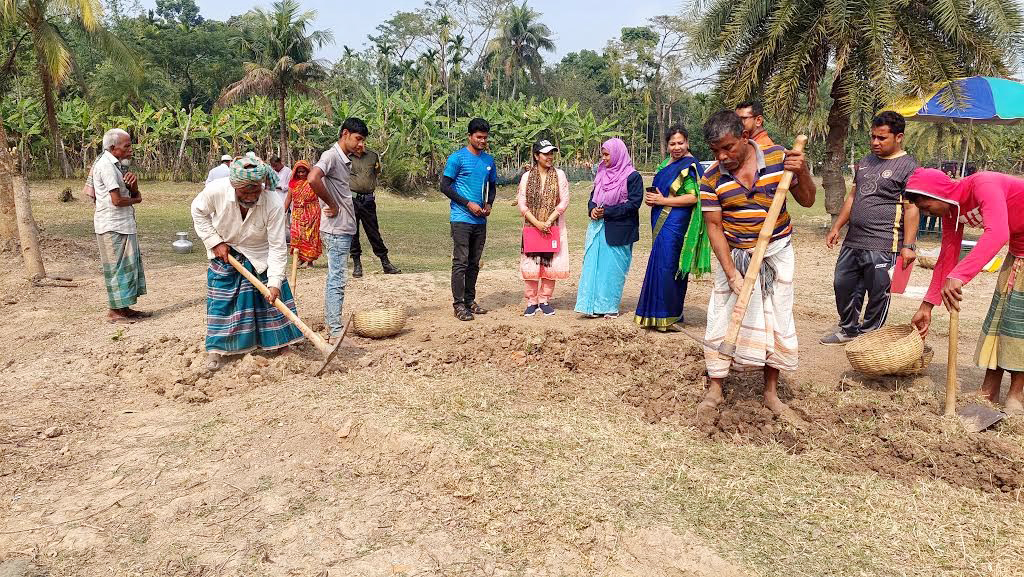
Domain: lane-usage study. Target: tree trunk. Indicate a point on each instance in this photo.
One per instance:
(8, 216)
(27, 230)
(46, 83)
(181, 150)
(283, 118)
(835, 152)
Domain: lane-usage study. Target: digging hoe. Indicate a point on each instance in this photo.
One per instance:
(974, 417)
(327, 350)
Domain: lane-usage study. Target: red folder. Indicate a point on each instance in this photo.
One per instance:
(900, 277)
(536, 241)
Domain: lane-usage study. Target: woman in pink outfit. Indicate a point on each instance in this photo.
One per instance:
(995, 203)
(543, 198)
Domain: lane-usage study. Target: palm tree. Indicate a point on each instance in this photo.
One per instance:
(279, 51)
(516, 48)
(879, 50)
(456, 58)
(428, 69)
(43, 21)
(946, 140)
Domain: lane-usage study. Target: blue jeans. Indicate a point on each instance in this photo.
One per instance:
(336, 246)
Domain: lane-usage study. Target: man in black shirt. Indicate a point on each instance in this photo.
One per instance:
(882, 226)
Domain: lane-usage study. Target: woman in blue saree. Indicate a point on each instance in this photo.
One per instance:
(680, 245)
(614, 210)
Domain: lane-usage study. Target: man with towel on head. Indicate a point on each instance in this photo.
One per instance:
(243, 216)
(736, 194)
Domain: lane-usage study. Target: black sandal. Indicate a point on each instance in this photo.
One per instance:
(477, 309)
(463, 314)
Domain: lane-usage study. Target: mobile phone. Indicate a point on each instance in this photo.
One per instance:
(651, 189)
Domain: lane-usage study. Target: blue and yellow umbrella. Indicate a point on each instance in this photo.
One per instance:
(975, 99)
(982, 99)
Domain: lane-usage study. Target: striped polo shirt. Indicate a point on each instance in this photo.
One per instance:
(743, 210)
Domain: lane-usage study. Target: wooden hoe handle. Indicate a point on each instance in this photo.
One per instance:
(287, 312)
(954, 330)
(728, 347)
(295, 268)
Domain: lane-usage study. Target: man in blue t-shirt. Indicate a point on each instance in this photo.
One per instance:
(470, 180)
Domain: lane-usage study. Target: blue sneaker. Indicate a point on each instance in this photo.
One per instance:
(530, 311)
(547, 309)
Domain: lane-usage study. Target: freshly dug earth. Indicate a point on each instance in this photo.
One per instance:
(509, 446)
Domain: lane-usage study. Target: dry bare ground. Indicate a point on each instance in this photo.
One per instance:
(506, 446)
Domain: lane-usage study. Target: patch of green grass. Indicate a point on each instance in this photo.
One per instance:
(416, 229)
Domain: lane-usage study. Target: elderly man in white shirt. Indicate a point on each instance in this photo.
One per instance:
(241, 216)
(117, 193)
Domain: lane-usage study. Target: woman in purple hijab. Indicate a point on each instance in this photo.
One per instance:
(614, 226)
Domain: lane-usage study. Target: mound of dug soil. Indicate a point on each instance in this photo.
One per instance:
(898, 434)
(175, 368)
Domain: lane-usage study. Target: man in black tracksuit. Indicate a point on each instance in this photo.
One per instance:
(882, 226)
(365, 169)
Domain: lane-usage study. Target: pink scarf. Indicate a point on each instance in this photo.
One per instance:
(610, 184)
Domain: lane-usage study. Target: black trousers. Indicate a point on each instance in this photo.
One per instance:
(859, 273)
(468, 246)
(366, 215)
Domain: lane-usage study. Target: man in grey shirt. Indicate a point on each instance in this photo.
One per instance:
(330, 179)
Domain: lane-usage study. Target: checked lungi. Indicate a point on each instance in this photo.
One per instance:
(1002, 334)
(767, 333)
(238, 318)
(122, 268)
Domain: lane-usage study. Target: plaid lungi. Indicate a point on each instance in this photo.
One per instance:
(767, 333)
(122, 268)
(238, 318)
(1001, 345)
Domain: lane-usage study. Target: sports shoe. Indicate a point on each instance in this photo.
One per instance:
(547, 309)
(476, 309)
(836, 338)
(462, 313)
(530, 311)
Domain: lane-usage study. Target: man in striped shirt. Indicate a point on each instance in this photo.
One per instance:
(736, 193)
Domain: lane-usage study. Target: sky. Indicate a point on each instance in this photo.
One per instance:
(576, 24)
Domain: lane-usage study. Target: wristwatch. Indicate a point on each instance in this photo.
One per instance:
(912, 246)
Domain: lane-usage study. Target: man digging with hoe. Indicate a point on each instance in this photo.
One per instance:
(240, 220)
(736, 197)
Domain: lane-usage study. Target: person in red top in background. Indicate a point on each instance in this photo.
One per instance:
(982, 200)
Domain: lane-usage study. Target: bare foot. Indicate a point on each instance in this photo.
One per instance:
(119, 316)
(1013, 406)
(784, 412)
(707, 410)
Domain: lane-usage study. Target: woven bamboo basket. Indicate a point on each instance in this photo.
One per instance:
(379, 323)
(886, 351)
(919, 365)
(926, 261)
